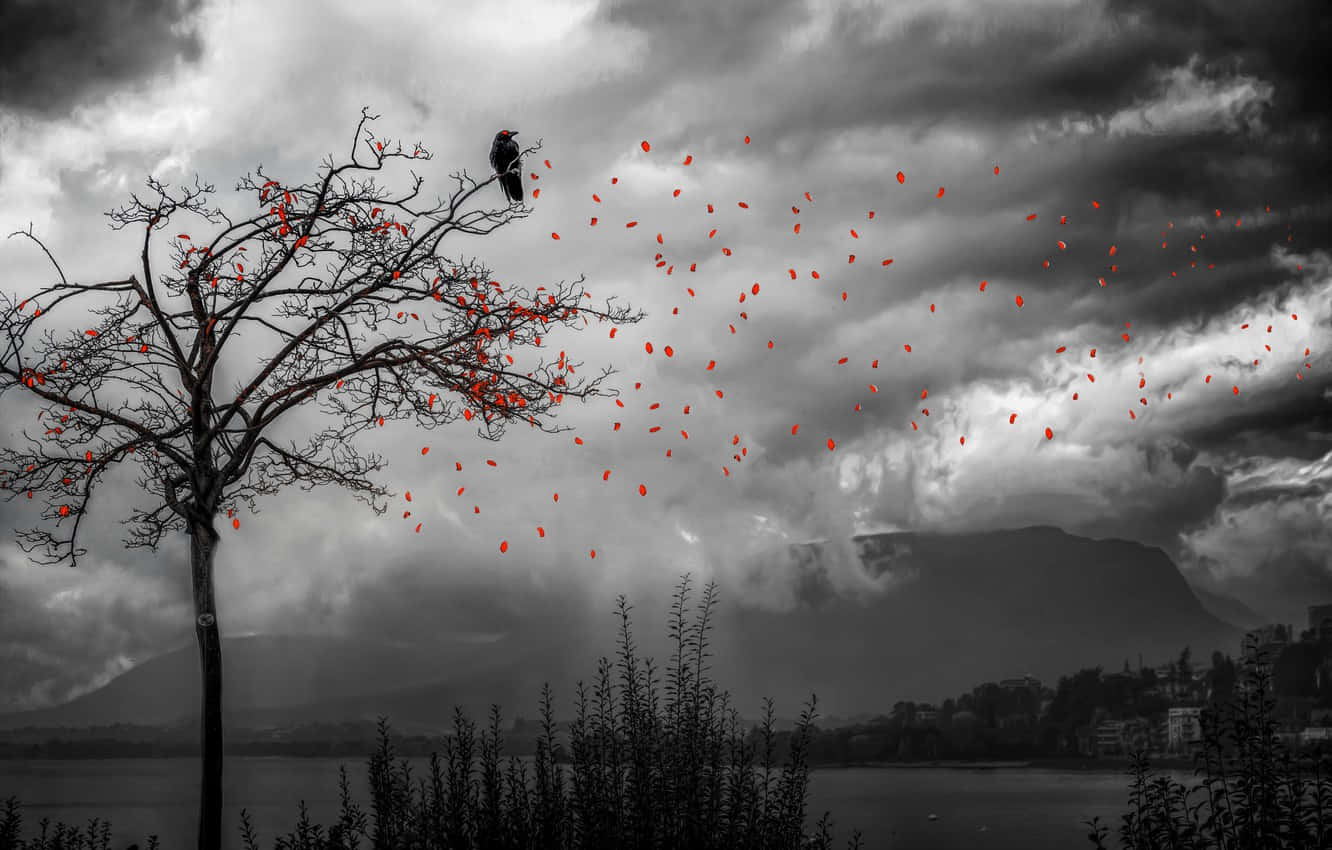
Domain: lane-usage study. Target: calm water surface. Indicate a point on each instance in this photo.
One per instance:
(1005, 809)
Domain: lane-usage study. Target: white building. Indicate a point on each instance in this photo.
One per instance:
(1183, 729)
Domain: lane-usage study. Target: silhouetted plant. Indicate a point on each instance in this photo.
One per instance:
(59, 836)
(1251, 792)
(643, 770)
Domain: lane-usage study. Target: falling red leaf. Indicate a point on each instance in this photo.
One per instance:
(642, 489)
(941, 192)
(1012, 417)
(982, 285)
(901, 178)
(554, 235)
(235, 523)
(688, 159)
(1018, 300)
(887, 262)
(646, 147)
(831, 445)
(504, 546)
(1049, 435)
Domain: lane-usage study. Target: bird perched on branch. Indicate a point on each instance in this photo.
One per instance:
(504, 159)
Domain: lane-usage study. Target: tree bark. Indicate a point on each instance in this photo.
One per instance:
(203, 546)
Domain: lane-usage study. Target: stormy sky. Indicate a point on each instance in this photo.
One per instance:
(1191, 137)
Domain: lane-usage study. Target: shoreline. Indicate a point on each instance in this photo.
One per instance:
(1084, 765)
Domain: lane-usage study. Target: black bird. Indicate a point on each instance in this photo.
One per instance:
(504, 159)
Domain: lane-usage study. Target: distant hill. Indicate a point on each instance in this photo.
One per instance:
(970, 608)
(967, 609)
(1229, 609)
(275, 680)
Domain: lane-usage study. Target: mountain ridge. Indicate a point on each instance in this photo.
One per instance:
(962, 609)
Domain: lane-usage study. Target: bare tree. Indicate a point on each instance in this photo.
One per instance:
(338, 289)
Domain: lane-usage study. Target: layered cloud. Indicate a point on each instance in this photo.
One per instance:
(1190, 144)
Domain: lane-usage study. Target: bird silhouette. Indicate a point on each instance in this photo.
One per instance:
(504, 159)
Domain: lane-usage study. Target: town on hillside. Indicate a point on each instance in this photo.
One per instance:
(1157, 710)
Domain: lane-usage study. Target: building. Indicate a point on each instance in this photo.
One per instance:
(1110, 737)
(1183, 729)
(1316, 736)
(1320, 621)
(1027, 682)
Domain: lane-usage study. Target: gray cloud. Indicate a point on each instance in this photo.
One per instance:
(56, 55)
(1159, 114)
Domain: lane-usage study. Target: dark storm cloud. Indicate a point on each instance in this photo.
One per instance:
(56, 55)
(1290, 45)
(1160, 114)
(1297, 426)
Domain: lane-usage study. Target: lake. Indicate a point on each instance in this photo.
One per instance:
(1003, 809)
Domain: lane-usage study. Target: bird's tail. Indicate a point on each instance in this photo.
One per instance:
(512, 184)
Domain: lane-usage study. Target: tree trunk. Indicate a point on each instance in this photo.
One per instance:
(203, 545)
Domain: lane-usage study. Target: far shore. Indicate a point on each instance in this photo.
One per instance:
(1090, 765)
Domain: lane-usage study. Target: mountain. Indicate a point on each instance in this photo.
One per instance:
(276, 680)
(960, 610)
(965, 609)
(1229, 609)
